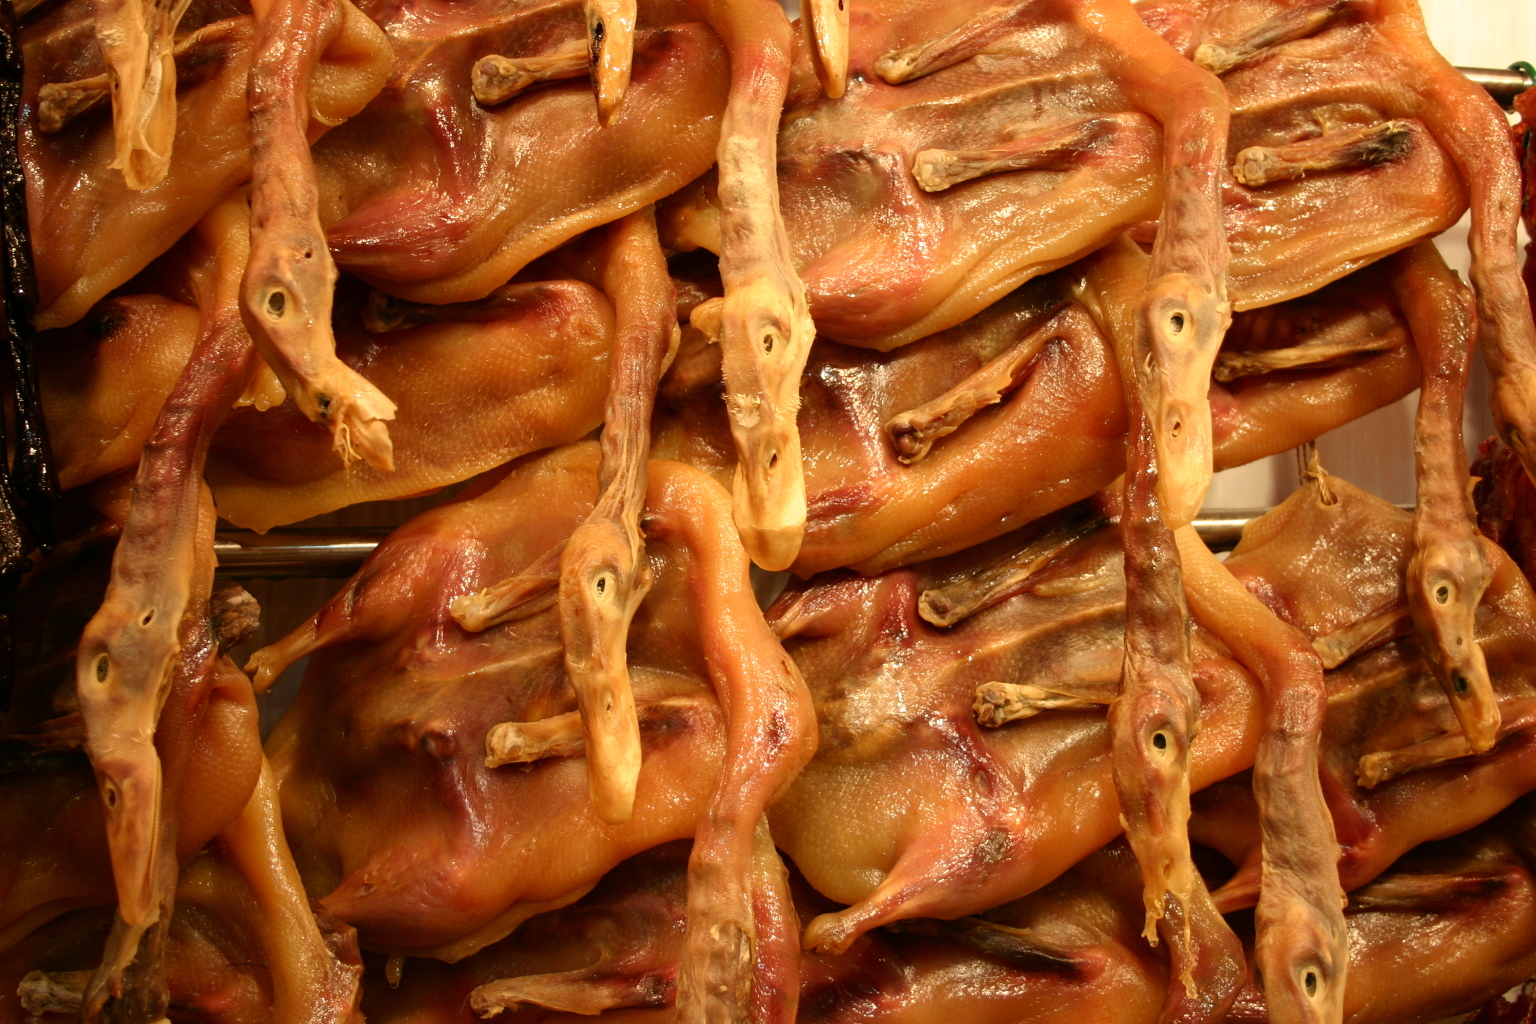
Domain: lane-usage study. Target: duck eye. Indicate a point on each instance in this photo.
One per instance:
(1310, 981)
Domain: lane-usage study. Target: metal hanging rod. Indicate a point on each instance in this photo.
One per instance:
(1504, 84)
(297, 553)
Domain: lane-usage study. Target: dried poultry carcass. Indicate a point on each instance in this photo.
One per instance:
(398, 699)
(1449, 927)
(979, 146)
(56, 871)
(1397, 767)
(156, 696)
(1067, 953)
(1018, 412)
(446, 216)
(913, 806)
(1352, 138)
(242, 947)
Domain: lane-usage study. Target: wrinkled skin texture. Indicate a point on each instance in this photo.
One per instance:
(885, 262)
(1450, 926)
(486, 387)
(1315, 71)
(1396, 767)
(414, 697)
(90, 232)
(1052, 437)
(1506, 503)
(602, 573)
(911, 808)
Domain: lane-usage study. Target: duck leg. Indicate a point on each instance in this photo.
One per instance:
(1448, 573)
(291, 278)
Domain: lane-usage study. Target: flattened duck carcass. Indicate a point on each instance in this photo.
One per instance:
(1019, 412)
(974, 687)
(1069, 952)
(91, 232)
(1352, 137)
(390, 667)
(1397, 767)
(1451, 926)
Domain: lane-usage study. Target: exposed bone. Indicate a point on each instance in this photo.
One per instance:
(290, 281)
(1316, 353)
(522, 742)
(1302, 946)
(1336, 648)
(52, 992)
(1417, 893)
(1000, 703)
(1371, 146)
(947, 50)
(611, 49)
(1295, 22)
(825, 24)
(1052, 149)
(526, 594)
(496, 79)
(1378, 766)
(1022, 946)
(235, 615)
(1448, 572)
(603, 986)
(981, 589)
(59, 103)
(914, 433)
(137, 38)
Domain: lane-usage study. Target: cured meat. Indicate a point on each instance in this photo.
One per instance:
(1070, 952)
(1394, 757)
(399, 699)
(1051, 434)
(91, 233)
(1349, 135)
(972, 688)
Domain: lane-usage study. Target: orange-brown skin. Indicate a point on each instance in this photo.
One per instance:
(1055, 438)
(290, 279)
(603, 575)
(979, 815)
(91, 232)
(1323, 568)
(391, 667)
(1370, 62)
(127, 662)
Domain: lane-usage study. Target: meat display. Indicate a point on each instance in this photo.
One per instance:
(797, 603)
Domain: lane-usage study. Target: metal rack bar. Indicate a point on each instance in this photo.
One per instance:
(295, 553)
(1504, 84)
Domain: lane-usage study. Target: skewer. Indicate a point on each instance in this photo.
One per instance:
(1504, 84)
